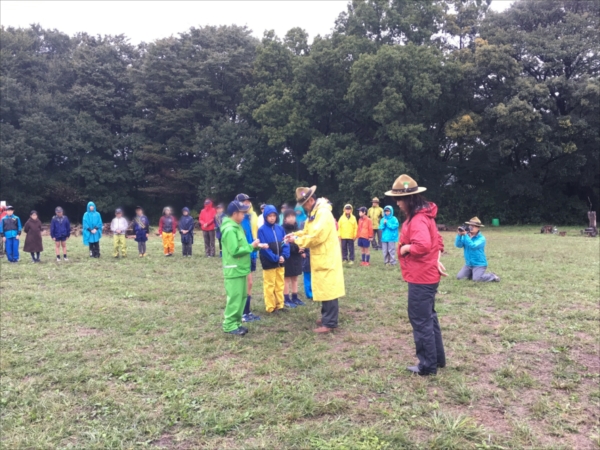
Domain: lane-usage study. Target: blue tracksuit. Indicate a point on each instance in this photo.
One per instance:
(10, 228)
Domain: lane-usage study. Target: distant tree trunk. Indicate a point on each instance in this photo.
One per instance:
(592, 218)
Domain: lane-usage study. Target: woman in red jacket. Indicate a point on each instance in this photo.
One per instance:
(420, 248)
(207, 225)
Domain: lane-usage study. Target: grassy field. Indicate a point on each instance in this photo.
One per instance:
(102, 354)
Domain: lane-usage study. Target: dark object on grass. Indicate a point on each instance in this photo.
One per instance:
(442, 227)
(562, 233)
(546, 229)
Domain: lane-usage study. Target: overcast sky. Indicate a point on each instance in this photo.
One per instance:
(150, 20)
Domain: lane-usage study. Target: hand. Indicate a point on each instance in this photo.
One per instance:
(54, 239)
(441, 268)
(264, 246)
(256, 243)
(289, 238)
(17, 237)
(384, 221)
(300, 250)
(3, 239)
(304, 255)
(281, 260)
(404, 249)
(94, 231)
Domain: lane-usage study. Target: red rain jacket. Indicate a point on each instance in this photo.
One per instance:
(207, 218)
(420, 265)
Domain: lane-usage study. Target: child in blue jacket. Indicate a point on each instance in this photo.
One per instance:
(273, 259)
(60, 231)
(10, 230)
(186, 230)
(389, 235)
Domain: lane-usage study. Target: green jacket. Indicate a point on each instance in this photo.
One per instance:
(236, 249)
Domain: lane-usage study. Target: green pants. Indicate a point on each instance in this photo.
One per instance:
(119, 245)
(237, 290)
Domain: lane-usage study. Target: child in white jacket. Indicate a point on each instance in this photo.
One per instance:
(119, 226)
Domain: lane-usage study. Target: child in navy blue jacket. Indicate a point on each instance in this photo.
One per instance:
(186, 230)
(273, 259)
(141, 228)
(60, 231)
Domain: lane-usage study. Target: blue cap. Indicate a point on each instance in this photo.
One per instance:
(236, 206)
(241, 198)
(185, 209)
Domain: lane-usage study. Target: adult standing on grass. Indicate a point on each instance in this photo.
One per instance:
(92, 229)
(473, 242)
(420, 248)
(207, 225)
(375, 213)
(327, 274)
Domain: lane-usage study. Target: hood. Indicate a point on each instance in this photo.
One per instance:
(351, 208)
(431, 211)
(269, 209)
(91, 204)
(390, 209)
(209, 205)
(228, 222)
(300, 217)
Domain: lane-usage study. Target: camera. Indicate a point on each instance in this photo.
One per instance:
(464, 228)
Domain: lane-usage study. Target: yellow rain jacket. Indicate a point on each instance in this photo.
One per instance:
(319, 235)
(348, 225)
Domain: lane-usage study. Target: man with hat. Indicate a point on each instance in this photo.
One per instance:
(375, 213)
(327, 274)
(420, 249)
(10, 230)
(473, 244)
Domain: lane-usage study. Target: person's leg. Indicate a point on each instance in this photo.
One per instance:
(144, 248)
(420, 312)
(64, 248)
(57, 249)
(140, 248)
(236, 293)
(97, 249)
(465, 273)
(212, 242)
(37, 256)
(165, 244)
(287, 281)
(279, 281)
(393, 259)
(439, 342)
(115, 246)
(220, 249)
(269, 277)
(206, 238)
(123, 248)
(190, 245)
(32, 256)
(294, 286)
(480, 274)
(91, 247)
(9, 251)
(330, 313)
(351, 246)
(172, 244)
(308, 285)
(379, 234)
(344, 250)
(368, 255)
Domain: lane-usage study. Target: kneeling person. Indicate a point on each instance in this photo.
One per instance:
(473, 242)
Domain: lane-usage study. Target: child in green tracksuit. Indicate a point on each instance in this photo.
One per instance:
(236, 266)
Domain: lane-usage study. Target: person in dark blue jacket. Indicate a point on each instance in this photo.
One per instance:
(186, 230)
(10, 230)
(60, 231)
(273, 259)
(473, 243)
(141, 228)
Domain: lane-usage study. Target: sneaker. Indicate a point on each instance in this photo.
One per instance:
(246, 318)
(141, 255)
(290, 305)
(298, 302)
(239, 332)
(58, 259)
(254, 317)
(65, 258)
(350, 263)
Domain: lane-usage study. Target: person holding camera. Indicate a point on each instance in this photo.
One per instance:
(473, 242)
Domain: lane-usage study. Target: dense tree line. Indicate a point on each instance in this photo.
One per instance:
(496, 113)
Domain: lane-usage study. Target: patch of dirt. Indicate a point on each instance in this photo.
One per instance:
(84, 332)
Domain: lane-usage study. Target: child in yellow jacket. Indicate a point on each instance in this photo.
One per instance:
(348, 228)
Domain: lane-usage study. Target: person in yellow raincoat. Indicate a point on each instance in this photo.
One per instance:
(327, 273)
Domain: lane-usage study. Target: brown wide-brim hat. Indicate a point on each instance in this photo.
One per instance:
(475, 222)
(304, 193)
(405, 185)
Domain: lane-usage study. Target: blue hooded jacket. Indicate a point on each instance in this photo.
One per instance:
(91, 220)
(389, 230)
(272, 235)
(10, 226)
(474, 249)
(186, 223)
(60, 228)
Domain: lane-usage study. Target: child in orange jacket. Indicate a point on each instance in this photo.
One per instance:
(364, 234)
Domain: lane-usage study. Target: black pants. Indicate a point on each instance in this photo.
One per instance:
(142, 248)
(426, 328)
(187, 249)
(209, 242)
(95, 250)
(348, 249)
(329, 313)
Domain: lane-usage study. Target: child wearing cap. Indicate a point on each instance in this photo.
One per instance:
(33, 239)
(375, 213)
(236, 266)
(119, 226)
(365, 234)
(347, 232)
(207, 225)
(272, 259)
(10, 230)
(218, 222)
(389, 235)
(60, 231)
(141, 228)
(92, 229)
(250, 227)
(166, 229)
(186, 230)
